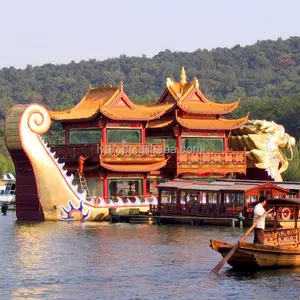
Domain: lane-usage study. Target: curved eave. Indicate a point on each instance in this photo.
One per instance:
(134, 167)
(208, 107)
(88, 107)
(72, 117)
(137, 114)
(215, 124)
(160, 123)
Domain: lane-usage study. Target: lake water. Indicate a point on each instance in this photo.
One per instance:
(127, 261)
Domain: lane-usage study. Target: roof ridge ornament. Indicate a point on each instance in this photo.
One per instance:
(121, 85)
(182, 75)
(196, 83)
(169, 82)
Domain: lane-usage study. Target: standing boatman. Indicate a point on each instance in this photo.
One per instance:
(259, 214)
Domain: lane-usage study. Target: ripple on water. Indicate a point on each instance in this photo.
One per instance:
(126, 261)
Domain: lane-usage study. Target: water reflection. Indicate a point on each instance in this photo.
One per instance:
(68, 260)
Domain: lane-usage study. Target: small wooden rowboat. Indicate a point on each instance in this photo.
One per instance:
(249, 256)
(280, 250)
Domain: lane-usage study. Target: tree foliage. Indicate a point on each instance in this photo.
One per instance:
(264, 75)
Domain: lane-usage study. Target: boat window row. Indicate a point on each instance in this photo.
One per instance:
(113, 135)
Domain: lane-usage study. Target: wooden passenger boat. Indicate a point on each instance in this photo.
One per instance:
(281, 248)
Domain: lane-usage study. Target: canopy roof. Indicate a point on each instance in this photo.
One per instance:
(281, 202)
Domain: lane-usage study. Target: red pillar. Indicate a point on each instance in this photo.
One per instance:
(105, 188)
(226, 142)
(143, 134)
(145, 185)
(103, 131)
(179, 143)
(66, 135)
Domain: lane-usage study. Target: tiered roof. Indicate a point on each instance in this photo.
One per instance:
(113, 103)
(189, 107)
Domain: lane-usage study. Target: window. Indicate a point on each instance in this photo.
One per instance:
(169, 143)
(192, 198)
(203, 197)
(173, 196)
(10, 189)
(234, 198)
(84, 136)
(202, 144)
(165, 196)
(124, 187)
(251, 199)
(213, 198)
(123, 135)
(183, 197)
(239, 199)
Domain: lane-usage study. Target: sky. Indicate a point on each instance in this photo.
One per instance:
(36, 32)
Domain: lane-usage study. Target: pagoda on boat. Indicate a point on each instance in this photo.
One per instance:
(123, 149)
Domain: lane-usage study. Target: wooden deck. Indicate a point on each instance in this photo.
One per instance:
(174, 219)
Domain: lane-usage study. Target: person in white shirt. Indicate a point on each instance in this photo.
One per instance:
(259, 214)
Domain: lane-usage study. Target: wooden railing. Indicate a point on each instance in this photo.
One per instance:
(282, 237)
(74, 151)
(212, 158)
(211, 162)
(209, 209)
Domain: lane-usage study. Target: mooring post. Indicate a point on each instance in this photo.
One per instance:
(241, 220)
(233, 223)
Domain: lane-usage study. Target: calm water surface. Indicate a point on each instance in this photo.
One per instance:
(126, 261)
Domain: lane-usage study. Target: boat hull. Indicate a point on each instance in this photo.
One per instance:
(254, 256)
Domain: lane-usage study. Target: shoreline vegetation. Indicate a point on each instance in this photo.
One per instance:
(265, 76)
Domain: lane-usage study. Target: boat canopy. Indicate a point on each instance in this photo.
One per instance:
(281, 202)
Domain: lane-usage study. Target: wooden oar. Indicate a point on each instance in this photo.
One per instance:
(218, 267)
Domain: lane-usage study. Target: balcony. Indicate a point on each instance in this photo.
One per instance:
(73, 152)
(211, 162)
(132, 153)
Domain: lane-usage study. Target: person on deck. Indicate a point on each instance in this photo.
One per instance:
(259, 213)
